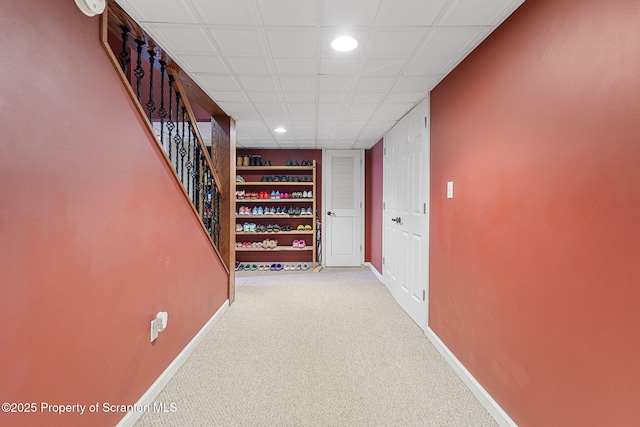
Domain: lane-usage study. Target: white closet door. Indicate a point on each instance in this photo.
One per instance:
(406, 213)
(342, 172)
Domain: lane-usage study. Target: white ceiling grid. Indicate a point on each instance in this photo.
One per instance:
(268, 63)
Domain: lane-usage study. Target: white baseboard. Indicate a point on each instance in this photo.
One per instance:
(481, 394)
(149, 396)
(374, 271)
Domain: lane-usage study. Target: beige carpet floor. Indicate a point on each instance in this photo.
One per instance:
(316, 349)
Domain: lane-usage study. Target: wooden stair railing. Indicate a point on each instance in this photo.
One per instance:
(160, 97)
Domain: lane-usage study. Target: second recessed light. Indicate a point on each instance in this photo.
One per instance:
(280, 130)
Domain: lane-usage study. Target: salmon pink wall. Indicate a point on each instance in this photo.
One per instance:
(535, 272)
(96, 235)
(373, 205)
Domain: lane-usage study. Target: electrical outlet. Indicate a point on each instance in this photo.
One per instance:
(450, 190)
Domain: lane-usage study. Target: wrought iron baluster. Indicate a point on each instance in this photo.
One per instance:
(170, 124)
(162, 112)
(183, 151)
(124, 57)
(177, 138)
(151, 105)
(197, 181)
(189, 164)
(216, 215)
(139, 72)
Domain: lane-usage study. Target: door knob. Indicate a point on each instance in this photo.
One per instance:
(330, 213)
(397, 220)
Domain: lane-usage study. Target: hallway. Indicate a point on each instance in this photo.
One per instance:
(322, 349)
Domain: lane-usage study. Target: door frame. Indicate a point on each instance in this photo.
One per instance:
(325, 178)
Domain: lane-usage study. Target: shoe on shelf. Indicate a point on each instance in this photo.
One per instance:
(260, 210)
(254, 211)
(307, 227)
(295, 244)
(239, 178)
(298, 267)
(252, 226)
(276, 178)
(246, 227)
(300, 227)
(239, 227)
(288, 163)
(267, 162)
(294, 163)
(306, 266)
(302, 244)
(245, 161)
(239, 160)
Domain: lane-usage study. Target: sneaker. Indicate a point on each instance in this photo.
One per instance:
(260, 211)
(295, 244)
(254, 211)
(246, 227)
(239, 227)
(272, 195)
(239, 178)
(277, 194)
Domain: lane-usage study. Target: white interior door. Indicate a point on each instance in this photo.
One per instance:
(406, 213)
(342, 204)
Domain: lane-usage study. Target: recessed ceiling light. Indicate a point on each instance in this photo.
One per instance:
(344, 44)
(280, 130)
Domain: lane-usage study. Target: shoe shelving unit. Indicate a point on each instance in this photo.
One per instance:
(252, 176)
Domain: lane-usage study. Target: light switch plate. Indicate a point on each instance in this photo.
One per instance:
(450, 190)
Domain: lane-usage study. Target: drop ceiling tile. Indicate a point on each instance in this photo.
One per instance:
(344, 66)
(391, 111)
(430, 65)
(230, 96)
(305, 133)
(334, 97)
(347, 133)
(248, 65)
(286, 42)
(258, 83)
(254, 124)
(269, 108)
(225, 12)
(244, 115)
(409, 13)
(264, 97)
(368, 97)
(288, 13)
(404, 97)
(450, 41)
(238, 41)
(479, 12)
(301, 115)
(332, 109)
(349, 14)
(337, 84)
(395, 42)
(295, 65)
(237, 107)
(361, 111)
(384, 66)
(375, 84)
(148, 11)
(303, 108)
(416, 84)
(181, 39)
(216, 82)
(298, 84)
(293, 97)
(202, 64)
